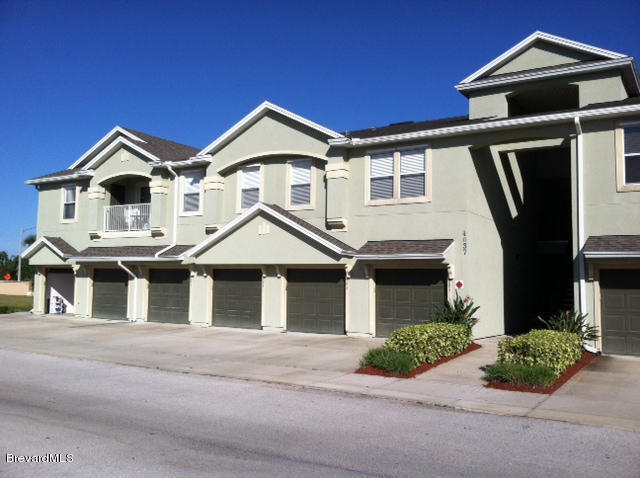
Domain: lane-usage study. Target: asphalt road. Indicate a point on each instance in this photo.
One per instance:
(120, 421)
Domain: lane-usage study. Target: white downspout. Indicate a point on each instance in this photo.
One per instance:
(135, 290)
(582, 286)
(175, 213)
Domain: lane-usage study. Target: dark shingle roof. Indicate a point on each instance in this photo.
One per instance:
(615, 243)
(62, 245)
(383, 248)
(407, 127)
(131, 251)
(164, 149)
(311, 228)
(64, 172)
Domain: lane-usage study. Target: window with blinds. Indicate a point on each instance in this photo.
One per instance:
(250, 193)
(191, 191)
(300, 192)
(632, 155)
(69, 202)
(382, 170)
(412, 174)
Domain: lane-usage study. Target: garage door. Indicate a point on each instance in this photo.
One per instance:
(407, 297)
(110, 293)
(169, 295)
(237, 298)
(315, 301)
(620, 296)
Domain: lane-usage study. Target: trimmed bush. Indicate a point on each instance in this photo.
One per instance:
(428, 343)
(389, 360)
(532, 375)
(554, 349)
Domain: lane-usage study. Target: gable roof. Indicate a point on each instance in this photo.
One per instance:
(530, 40)
(254, 116)
(407, 249)
(129, 252)
(315, 234)
(57, 245)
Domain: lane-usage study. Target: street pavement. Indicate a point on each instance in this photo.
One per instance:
(606, 393)
(121, 421)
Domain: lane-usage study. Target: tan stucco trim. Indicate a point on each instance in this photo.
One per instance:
(621, 185)
(267, 154)
(215, 182)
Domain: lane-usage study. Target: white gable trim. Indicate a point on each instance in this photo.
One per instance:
(267, 154)
(250, 214)
(527, 42)
(62, 177)
(115, 130)
(255, 115)
(111, 148)
(39, 244)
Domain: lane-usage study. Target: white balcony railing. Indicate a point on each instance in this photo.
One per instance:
(127, 217)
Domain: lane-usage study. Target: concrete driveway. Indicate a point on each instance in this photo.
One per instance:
(606, 393)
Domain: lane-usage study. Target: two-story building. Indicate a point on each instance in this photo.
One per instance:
(530, 203)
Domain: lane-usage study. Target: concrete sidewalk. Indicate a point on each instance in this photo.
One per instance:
(606, 393)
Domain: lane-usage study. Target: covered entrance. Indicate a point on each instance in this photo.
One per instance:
(315, 301)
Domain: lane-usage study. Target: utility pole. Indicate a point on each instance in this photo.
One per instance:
(20, 249)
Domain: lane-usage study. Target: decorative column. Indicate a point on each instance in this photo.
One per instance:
(159, 189)
(96, 195)
(337, 175)
(213, 190)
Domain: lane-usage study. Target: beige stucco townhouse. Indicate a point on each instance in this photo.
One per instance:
(530, 203)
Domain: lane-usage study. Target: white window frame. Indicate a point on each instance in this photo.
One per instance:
(428, 168)
(312, 189)
(621, 155)
(183, 189)
(239, 208)
(63, 202)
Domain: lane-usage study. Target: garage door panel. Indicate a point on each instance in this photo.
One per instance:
(110, 293)
(620, 302)
(237, 298)
(315, 301)
(407, 297)
(169, 295)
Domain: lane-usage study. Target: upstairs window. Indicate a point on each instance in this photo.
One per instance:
(397, 177)
(250, 190)
(300, 188)
(69, 192)
(632, 155)
(191, 191)
(382, 172)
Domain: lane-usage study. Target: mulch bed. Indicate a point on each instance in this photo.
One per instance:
(371, 370)
(586, 359)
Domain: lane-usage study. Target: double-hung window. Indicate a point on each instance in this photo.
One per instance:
(69, 192)
(250, 191)
(398, 176)
(300, 189)
(191, 191)
(632, 155)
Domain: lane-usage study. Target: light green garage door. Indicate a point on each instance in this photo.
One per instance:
(315, 301)
(237, 298)
(620, 297)
(169, 295)
(407, 297)
(110, 293)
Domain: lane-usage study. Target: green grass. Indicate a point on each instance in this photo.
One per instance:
(15, 303)
(532, 375)
(394, 362)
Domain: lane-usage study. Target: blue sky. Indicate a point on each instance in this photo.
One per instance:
(187, 70)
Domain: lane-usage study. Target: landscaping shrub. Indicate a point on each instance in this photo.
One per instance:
(9, 309)
(460, 312)
(430, 342)
(389, 360)
(533, 375)
(554, 349)
(572, 321)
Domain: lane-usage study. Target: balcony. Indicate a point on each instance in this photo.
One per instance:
(127, 218)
